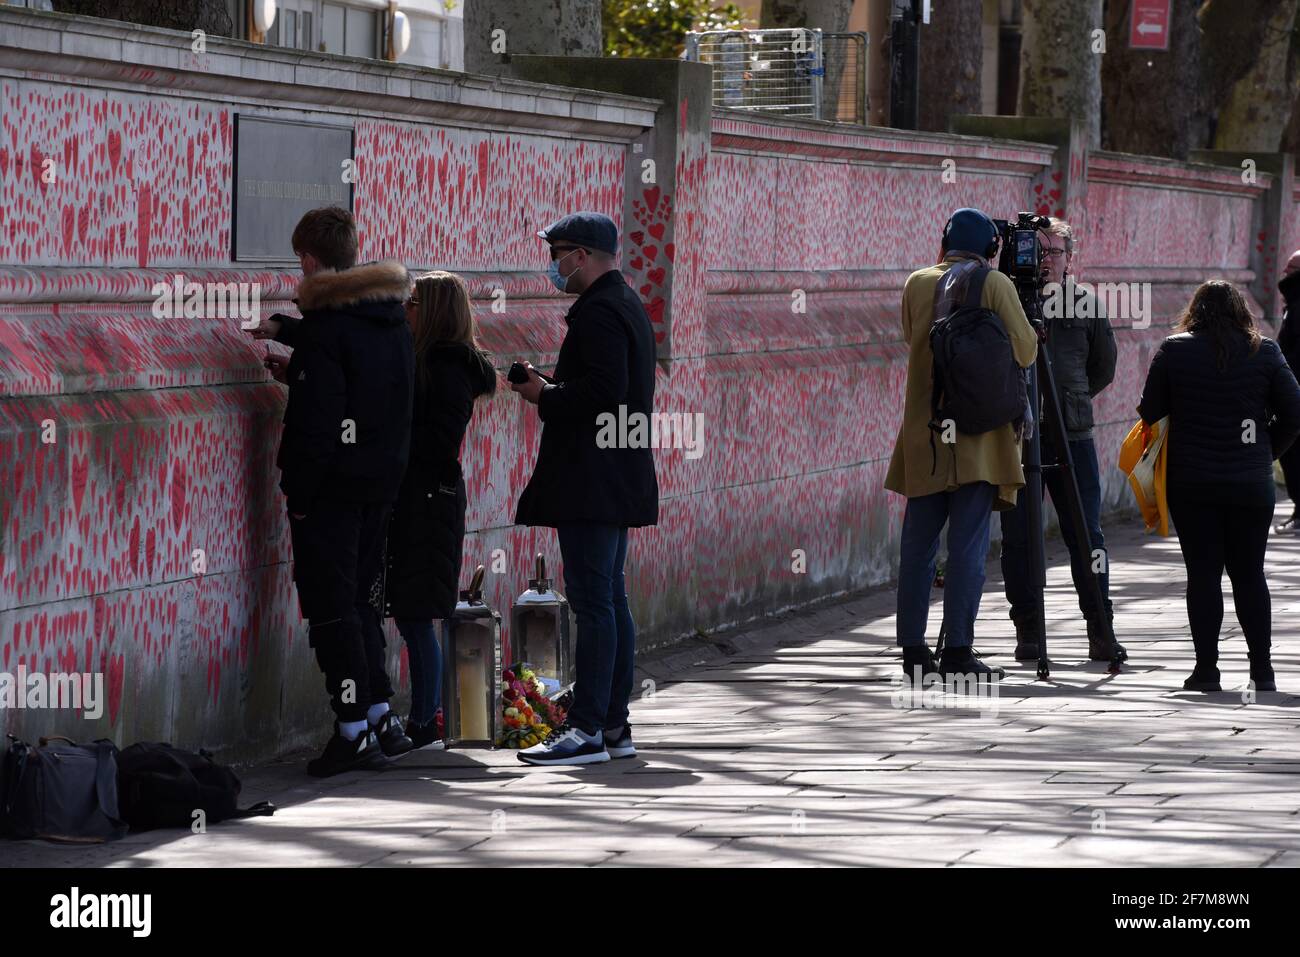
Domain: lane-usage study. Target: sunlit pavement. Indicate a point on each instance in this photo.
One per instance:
(792, 749)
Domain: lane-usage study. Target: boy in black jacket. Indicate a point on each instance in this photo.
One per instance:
(344, 449)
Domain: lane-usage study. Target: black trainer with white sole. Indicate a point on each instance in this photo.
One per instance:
(566, 745)
(340, 754)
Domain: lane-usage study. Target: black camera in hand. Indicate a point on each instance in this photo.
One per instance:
(518, 373)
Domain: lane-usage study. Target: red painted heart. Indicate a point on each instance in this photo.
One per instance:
(651, 252)
(645, 290)
(114, 148)
(651, 198)
(671, 251)
(636, 263)
(657, 230)
(657, 275)
(637, 237)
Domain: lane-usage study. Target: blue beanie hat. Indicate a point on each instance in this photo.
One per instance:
(969, 230)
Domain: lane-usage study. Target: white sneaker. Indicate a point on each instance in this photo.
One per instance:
(566, 745)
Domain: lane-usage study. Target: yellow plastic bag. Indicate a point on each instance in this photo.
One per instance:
(1142, 457)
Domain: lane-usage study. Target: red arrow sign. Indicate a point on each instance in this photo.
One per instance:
(1148, 28)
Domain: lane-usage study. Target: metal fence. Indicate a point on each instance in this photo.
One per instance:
(786, 72)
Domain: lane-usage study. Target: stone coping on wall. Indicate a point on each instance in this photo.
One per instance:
(1127, 169)
(739, 131)
(108, 54)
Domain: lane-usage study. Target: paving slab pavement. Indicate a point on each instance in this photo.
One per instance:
(790, 744)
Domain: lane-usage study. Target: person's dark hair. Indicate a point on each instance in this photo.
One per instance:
(329, 234)
(1219, 309)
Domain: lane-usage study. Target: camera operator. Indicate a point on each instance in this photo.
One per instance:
(1081, 347)
(960, 480)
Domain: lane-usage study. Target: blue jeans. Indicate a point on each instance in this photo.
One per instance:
(1021, 593)
(425, 656)
(606, 643)
(966, 512)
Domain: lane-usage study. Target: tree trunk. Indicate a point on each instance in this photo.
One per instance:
(210, 16)
(543, 27)
(1253, 51)
(1059, 74)
(952, 63)
(1154, 102)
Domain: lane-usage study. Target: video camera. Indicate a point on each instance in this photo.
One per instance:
(1022, 256)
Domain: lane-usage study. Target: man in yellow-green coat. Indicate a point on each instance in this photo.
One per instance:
(956, 479)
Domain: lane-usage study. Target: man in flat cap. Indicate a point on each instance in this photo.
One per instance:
(591, 491)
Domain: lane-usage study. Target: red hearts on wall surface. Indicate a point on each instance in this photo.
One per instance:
(651, 198)
(657, 275)
(645, 290)
(114, 149)
(670, 251)
(636, 263)
(657, 230)
(637, 237)
(651, 252)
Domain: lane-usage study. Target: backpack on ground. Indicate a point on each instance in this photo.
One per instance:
(978, 384)
(162, 786)
(60, 791)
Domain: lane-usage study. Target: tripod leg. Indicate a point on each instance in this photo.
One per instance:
(1074, 502)
(1034, 515)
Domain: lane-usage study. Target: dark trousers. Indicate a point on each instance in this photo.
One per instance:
(337, 550)
(1020, 588)
(966, 512)
(1291, 469)
(425, 656)
(606, 642)
(1215, 534)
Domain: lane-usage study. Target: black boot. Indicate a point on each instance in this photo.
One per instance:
(1261, 673)
(918, 657)
(963, 662)
(1204, 677)
(1028, 638)
(341, 755)
(1101, 648)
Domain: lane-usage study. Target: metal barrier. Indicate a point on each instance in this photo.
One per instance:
(786, 72)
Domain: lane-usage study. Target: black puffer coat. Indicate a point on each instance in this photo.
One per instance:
(1214, 413)
(426, 533)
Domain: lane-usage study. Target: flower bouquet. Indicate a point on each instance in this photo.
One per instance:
(529, 714)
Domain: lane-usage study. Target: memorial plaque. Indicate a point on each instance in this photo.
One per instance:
(282, 169)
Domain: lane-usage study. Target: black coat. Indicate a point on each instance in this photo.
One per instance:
(1288, 333)
(347, 425)
(607, 360)
(1208, 409)
(426, 533)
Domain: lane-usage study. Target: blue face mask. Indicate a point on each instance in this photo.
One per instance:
(560, 282)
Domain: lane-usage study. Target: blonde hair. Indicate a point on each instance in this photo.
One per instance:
(442, 314)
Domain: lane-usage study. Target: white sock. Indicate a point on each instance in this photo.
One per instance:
(375, 712)
(352, 729)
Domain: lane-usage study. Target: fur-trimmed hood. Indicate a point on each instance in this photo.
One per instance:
(384, 281)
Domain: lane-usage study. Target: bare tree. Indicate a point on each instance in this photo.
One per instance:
(952, 63)
(1060, 74)
(1252, 53)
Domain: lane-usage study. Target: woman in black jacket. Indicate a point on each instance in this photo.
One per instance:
(427, 530)
(1233, 407)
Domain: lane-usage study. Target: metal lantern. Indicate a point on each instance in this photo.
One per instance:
(471, 646)
(539, 629)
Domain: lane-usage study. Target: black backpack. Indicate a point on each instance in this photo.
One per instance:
(60, 791)
(162, 786)
(977, 381)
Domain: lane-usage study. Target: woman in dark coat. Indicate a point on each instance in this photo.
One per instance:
(1233, 407)
(427, 529)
